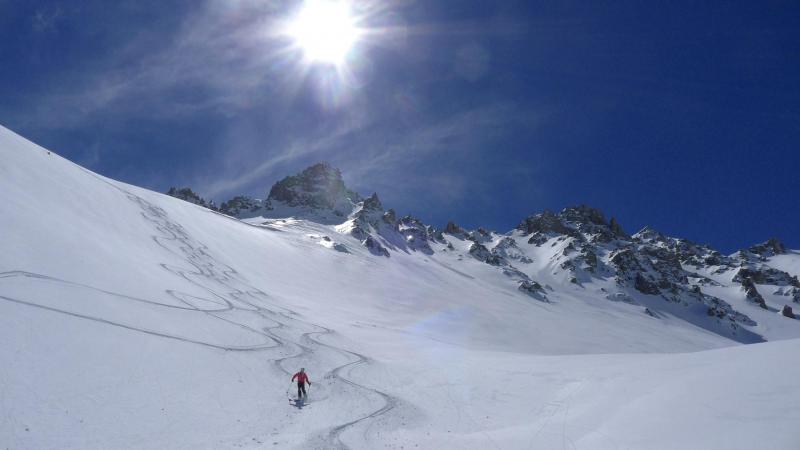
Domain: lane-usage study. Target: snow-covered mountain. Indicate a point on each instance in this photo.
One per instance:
(131, 319)
(549, 255)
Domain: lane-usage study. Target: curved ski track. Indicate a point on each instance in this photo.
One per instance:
(228, 292)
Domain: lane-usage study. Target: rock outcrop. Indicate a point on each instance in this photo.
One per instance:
(188, 195)
(319, 187)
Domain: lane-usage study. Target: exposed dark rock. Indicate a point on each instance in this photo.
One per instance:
(590, 258)
(616, 228)
(725, 310)
(538, 239)
(544, 223)
(318, 186)
(416, 234)
(375, 247)
(434, 234)
(186, 194)
(530, 287)
(584, 214)
(648, 234)
(680, 250)
(480, 235)
(770, 248)
(507, 248)
(765, 275)
(703, 281)
(481, 253)
(787, 312)
(625, 261)
(239, 205)
(453, 229)
(390, 216)
(752, 293)
(645, 286)
(373, 203)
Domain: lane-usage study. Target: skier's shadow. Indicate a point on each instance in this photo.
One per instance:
(299, 403)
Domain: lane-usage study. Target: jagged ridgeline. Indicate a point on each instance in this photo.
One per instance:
(187, 194)
(576, 248)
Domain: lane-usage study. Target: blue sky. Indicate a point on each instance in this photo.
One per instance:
(682, 116)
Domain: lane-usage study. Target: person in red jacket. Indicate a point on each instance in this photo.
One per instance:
(302, 379)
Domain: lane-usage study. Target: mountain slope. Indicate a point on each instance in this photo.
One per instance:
(558, 257)
(135, 320)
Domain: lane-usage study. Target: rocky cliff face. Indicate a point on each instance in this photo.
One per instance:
(319, 187)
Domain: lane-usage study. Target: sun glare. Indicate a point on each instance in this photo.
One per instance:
(325, 30)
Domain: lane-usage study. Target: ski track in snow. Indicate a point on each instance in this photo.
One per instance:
(238, 296)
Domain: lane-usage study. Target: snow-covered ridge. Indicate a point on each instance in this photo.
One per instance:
(576, 247)
(131, 319)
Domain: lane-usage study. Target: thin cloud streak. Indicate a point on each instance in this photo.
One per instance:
(375, 159)
(463, 132)
(226, 60)
(224, 52)
(232, 53)
(298, 149)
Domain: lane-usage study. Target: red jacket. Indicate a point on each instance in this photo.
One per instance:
(302, 378)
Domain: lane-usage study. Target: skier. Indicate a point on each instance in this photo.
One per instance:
(302, 379)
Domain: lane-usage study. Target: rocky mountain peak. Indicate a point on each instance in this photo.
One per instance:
(319, 187)
(583, 223)
(649, 234)
(454, 229)
(544, 222)
(373, 203)
(583, 214)
(580, 244)
(770, 248)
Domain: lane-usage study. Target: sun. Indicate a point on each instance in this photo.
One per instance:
(325, 30)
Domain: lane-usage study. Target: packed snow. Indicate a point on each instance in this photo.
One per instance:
(130, 319)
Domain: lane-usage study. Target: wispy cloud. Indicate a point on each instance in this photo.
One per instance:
(243, 176)
(223, 50)
(46, 19)
(432, 163)
(454, 136)
(372, 153)
(226, 60)
(225, 56)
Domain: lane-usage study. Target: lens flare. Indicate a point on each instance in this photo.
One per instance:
(325, 30)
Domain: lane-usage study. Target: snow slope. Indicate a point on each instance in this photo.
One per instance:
(130, 319)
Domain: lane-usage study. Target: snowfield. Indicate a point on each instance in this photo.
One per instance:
(130, 319)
